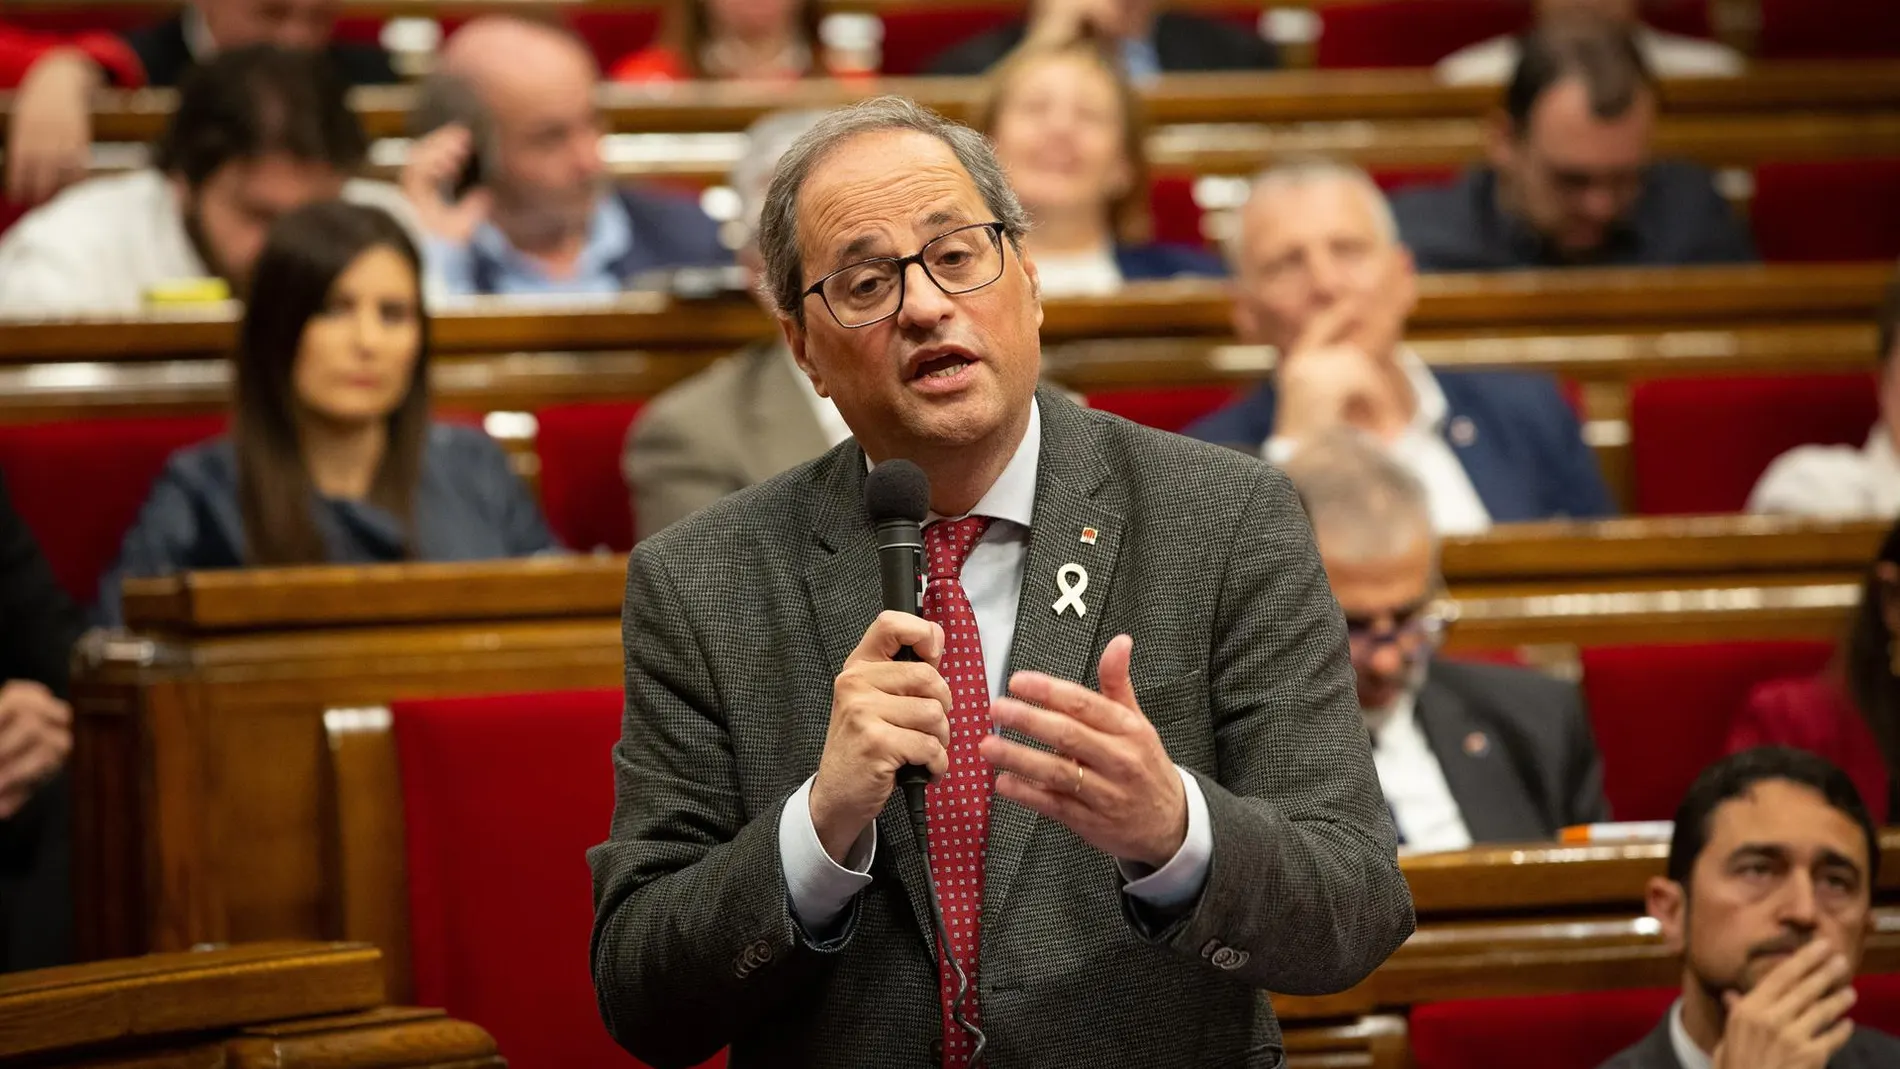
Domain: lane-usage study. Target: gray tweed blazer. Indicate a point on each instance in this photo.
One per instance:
(736, 622)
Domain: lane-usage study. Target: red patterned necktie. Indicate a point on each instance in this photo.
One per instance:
(959, 804)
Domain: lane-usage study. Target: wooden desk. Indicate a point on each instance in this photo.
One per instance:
(197, 770)
(280, 1005)
(1574, 302)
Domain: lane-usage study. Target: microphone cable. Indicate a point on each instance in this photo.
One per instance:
(920, 825)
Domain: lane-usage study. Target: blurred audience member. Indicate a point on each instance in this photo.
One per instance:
(50, 134)
(747, 417)
(739, 40)
(1838, 480)
(1850, 712)
(510, 185)
(38, 625)
(1068, 128)
(332, 456)
(258, 132)
(1570, 180)
(1321, 276)
(1768, 899)
(1466, 752)
(1150, 42)
(1669, 55)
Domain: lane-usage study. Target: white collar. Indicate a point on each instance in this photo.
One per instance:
(1012, 496)
(198, 35)
(1432, 406)
(1687, 1053)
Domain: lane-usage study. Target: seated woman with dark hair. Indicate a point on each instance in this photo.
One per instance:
(1850, 713)
(332, 456)
(737, 40)
(1068, 128)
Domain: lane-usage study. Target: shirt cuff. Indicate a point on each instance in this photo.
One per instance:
(1279, 450)
(820, 888)
(1178, 882)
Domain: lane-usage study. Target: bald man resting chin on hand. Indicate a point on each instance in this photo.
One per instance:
(1152, 795)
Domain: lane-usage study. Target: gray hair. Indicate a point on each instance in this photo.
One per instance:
(1299, 173)
(766, 141)
(1366, 503)
(778, 224)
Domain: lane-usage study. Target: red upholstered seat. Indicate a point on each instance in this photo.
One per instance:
(585, 500)
(1168, 408)
(914, 37)
(1410, 33)
(1823, 210)
(79, 484)
(1173, 212)
(1828, 29)
(502, 796)
(1700, 444)
(1662, 712)
(1578, 1031)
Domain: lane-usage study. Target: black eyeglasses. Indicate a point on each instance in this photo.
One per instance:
(871, 291)
(1418, 628)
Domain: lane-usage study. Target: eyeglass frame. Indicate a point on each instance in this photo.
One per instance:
(998, 231)
(1429, 622)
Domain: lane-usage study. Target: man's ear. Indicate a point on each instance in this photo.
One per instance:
(1500, 140)
(1244, 316)
(1668, 902)
(1035, 286)
(794, 332)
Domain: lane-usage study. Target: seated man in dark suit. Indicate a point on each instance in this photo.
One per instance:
(1151, 42)
(509, 184)
(38, 625)
(1570, 181)
(1321, 276)
(1466, 752)
(48, 140)
(1769, 901)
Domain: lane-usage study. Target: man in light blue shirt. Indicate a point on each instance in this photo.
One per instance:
(509, 184)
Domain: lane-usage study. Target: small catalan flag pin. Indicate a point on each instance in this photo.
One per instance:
(1088, 536)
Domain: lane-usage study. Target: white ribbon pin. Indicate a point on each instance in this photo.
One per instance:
(1072, 579)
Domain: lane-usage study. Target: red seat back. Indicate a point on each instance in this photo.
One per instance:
(1173, 212)
(1579, 1031)
(79, 484)
(1661, 713)
(1410, 33)
(1700, 444)
(1167, 408)
(914, 37)
(1828, 29)
(582, 493)
(502, 796)
(1822, 210)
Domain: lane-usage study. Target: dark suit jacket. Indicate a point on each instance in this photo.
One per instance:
(162, 50)
(1679, 219)
(1537, 769)
(1868, 1049)
(38, 626)
(1182, 42)
(1159, 260)
(1816, 714)
(736, 623)
(1524, 452)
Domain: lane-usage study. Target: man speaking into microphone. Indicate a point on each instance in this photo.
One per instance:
(1152, 797)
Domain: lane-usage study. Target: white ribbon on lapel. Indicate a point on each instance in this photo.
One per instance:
(1072, 579)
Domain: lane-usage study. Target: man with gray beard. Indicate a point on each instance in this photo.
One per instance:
(1465, 752)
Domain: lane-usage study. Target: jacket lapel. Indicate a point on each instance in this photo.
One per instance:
(842, 586)
(786, 431)
(1477, 767)
(1069, 474)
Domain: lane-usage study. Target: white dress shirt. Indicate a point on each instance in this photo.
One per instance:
(1413, 781)
(1833, 480)
(1687, 1053)
(1669, 55)
(1422, 449)
(819, 887)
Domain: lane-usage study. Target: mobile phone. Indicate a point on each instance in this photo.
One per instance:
(443, 100)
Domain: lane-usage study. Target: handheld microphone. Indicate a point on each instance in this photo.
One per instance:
(897, 496)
